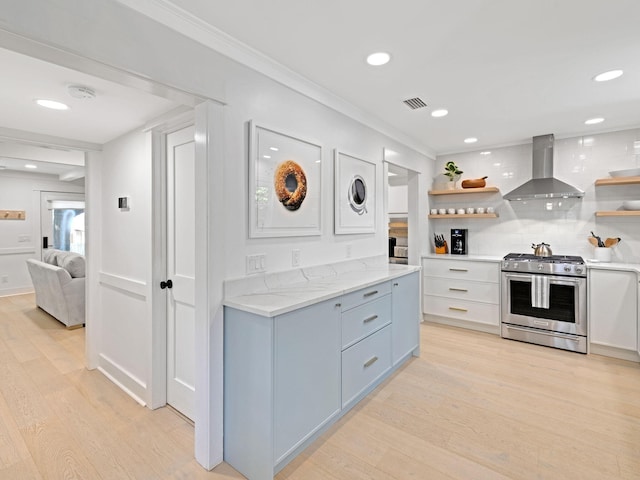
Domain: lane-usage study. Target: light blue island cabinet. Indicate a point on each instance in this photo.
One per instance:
(289, 376)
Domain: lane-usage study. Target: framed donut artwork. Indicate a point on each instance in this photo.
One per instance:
(284, 184)
(355, 195)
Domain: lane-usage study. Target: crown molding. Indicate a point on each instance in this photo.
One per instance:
(182, 21)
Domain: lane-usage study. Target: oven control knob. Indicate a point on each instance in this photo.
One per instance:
(515, 265)
(578, 269)
(567, 268)
(540, 266)
(506, 264)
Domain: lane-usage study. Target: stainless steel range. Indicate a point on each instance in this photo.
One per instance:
(544, 300)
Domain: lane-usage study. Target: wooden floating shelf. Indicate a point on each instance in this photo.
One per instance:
(618, 181)
(12, 215)
(466, 215)
(619, 213)
(464, 190)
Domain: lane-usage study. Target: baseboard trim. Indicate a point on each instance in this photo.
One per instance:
(132, 386)
(454, 322)
(615, 352)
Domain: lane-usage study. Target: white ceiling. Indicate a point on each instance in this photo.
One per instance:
(506, 70)
(115, 110)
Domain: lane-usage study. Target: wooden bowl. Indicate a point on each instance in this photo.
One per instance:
(474, 183)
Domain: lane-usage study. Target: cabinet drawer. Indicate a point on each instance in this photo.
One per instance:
(487, 313)
(364, 363)
(462, 289)
(364, 295)
(462, 269)
(360, 321)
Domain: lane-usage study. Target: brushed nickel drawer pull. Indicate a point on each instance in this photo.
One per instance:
(370, 362)
(458, 289)
(370, 319)
(370, 293)
(458, 309)
(458, 270)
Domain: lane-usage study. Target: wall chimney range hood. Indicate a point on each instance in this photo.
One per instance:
(543, 184)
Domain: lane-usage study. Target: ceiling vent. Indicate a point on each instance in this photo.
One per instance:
(414, 103)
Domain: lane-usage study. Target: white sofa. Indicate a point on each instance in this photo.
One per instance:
(59, 283)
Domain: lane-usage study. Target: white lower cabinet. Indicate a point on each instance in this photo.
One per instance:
(613, 310)
(287, 378)
(462, 292)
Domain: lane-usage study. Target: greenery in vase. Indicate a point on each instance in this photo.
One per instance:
(451, 170)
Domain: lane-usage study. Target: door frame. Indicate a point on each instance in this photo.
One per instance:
(159, 132)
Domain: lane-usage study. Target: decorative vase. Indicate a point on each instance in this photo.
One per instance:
(451, 185)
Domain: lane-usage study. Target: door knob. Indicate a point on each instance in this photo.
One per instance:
(167, 284)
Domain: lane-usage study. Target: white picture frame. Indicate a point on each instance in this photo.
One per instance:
(355, 194)
(282, 207)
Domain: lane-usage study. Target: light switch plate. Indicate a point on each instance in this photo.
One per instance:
(256, 263)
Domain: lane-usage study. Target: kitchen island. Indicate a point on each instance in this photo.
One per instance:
(302, 347)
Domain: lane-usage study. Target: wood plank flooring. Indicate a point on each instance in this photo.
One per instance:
(473, 406)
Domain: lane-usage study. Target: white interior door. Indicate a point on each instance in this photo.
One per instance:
(62, 221)
(181, 270)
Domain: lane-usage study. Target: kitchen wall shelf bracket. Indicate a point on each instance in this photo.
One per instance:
(464, 190)
(466, 215)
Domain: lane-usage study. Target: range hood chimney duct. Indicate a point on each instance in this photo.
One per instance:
(542, 183)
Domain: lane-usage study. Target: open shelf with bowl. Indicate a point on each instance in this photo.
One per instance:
(631, 208)
(465, 190)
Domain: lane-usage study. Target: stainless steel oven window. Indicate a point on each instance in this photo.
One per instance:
(562, 302)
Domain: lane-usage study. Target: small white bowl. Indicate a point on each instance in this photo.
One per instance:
(631, 205)
(630, 172)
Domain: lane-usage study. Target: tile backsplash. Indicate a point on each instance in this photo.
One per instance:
(565, 224)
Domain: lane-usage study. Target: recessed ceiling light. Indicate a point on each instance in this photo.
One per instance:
(486, 152)
(51, 104)
(593, 121)
(470, 140)
(274, 149)
(606, 76)
(266, 156)
(378, 58)
(391, 174)
(29, 165)
(439, 113)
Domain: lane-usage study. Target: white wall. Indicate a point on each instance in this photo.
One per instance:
(578, 161)
(21, 191)
(122, 322)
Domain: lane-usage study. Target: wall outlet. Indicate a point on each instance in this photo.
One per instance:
(24, 238)
(348, 250)
(256, 263)
(295, 258)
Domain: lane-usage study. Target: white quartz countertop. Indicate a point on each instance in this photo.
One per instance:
(631, 267)
(278, 293)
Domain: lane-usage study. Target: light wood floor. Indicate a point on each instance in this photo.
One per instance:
(473, 406)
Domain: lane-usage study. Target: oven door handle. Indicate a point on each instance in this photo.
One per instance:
(553, 279)
(564, 336)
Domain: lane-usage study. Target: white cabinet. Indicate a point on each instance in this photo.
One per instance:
(613, 312)
(405, 329)
(462, 292)
(288, 377)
